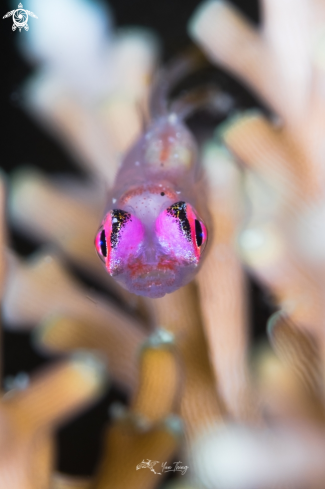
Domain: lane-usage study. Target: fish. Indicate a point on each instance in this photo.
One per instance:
(152, 240)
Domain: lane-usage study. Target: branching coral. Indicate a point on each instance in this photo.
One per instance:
(91, 90)
(282, 241)
(282, 235)
(28, 418)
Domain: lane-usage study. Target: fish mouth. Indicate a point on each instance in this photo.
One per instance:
(153, 276)
(153, 280)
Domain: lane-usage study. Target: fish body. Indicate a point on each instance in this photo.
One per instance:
(151, 238)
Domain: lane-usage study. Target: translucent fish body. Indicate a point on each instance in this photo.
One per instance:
(151, 238)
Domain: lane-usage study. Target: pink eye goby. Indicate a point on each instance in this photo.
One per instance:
(152, 239)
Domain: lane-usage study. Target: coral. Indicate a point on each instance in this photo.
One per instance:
(282, 156)
(281, 241)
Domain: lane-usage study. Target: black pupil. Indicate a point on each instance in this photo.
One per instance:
(103, 244)
(198, 233)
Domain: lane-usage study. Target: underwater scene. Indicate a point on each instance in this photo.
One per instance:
(162, 263)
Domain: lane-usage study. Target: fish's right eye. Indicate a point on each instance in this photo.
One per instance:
(101, 244)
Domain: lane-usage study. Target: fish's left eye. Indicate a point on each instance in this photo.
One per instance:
(198, 229)
(198, 233)
(181, 232)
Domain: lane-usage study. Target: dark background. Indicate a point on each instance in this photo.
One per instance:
(22, 141)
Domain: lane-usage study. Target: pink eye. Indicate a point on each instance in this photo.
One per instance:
(181, 232)
(101, 244)
(198, 229)
(118, 239)
(198, 233)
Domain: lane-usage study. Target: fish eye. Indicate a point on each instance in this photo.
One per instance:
(190, 224)
(119, 219)
(101, 244)
(198, 233)
(179, 211)
(120, 237)
(181, 232)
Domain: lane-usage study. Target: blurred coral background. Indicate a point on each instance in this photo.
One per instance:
(225, 375)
